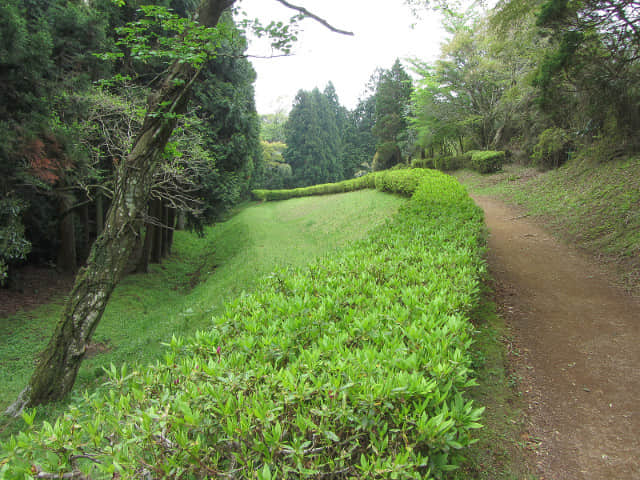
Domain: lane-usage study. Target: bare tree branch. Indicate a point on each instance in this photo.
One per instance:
(307, 13)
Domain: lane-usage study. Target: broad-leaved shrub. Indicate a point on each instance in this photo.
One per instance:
(355, 367)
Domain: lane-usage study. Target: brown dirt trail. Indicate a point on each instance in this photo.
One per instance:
(579, 340)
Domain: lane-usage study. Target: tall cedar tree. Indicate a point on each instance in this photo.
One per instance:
(314, 143)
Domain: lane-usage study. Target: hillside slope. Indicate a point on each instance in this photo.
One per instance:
(595, 207)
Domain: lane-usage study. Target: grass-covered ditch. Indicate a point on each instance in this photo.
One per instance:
(355, 367)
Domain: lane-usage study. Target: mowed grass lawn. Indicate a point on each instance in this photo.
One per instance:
(181, 295)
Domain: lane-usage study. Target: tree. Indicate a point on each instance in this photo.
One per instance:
(58, 366)
(229, 126)
(393, 93)
(57, 369)
(272, 127)
(359, 143)
(314, 141)
(592, 67)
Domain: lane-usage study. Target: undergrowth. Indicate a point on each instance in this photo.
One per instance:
(355, 367)
(183, 293)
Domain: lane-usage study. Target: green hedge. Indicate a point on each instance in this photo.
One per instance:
(366, 181)
(355, 367)
(450, 163)
(486, 161)
(422, 163)
(481, 161)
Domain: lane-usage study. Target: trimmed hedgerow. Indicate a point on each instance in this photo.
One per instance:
(486, 161)
(355, 367)
(481, 161)
(422, 163)
(366, 181)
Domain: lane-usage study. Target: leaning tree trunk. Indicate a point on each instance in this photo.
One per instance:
(57, 369)
(156, 231)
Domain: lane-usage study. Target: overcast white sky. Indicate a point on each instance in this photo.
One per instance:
(383, 32)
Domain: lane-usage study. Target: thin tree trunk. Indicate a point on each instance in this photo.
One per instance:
(145, 256)
(171, 223)
(67, 258)
(58, 367)
(165, 231)
(99, 213)
(156, 249)
(180, 224)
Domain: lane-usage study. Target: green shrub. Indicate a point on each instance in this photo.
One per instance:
(485, 161)
(422, 163)
(355, 367)
(552, 148)
(13, 244)
(365, 181)
(449, 163)
(387, 155)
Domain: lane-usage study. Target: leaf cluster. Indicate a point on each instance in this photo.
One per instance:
(355, 367)
(161, 34)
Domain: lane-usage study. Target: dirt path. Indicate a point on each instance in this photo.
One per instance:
(579, 340)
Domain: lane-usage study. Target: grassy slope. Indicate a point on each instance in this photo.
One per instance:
(594, 206)
(147, 309)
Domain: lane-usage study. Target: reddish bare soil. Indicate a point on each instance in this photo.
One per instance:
(34, 286)
(579, 340)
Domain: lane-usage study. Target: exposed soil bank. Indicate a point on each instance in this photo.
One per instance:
(579, 337)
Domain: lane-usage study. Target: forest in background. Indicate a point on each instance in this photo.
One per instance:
(73, 99)
(541, 81)
(564, 85)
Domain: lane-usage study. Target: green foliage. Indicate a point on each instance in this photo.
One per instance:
(13, 245)
(202, 274)
(359, 143)
(228, 127)
(485, 161)
(357, 364)
(594, 46)
(365, 181)
(272, 128)
(387, 155)
(479, 160)
(449, 163)
(392, 96)
(423, 163)
(276, 173)
(314, 143)
(162, 34)
(552, 148)
(393, 91)
(25, 59)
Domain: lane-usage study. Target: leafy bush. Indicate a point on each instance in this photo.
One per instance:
(422, 163)
(355, 367)
(485, 161)
(387, 155)
(552, 148)
(13, 244)
(365, 181)
(449, 163)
